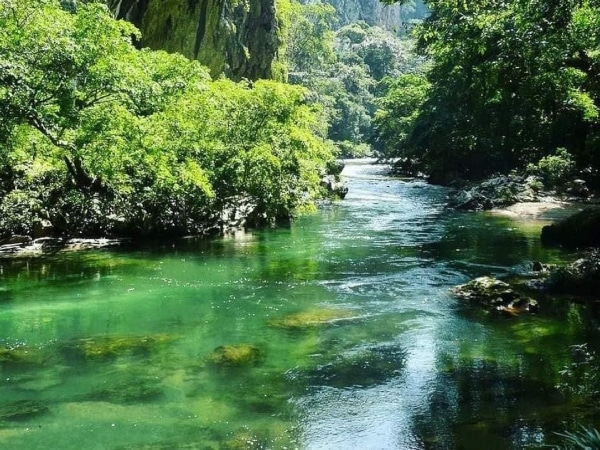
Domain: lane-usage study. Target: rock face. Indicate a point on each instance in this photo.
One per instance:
(374, 12)
(495, 295)
(237, 38)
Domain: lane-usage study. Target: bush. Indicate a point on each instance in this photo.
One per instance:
(555, 170)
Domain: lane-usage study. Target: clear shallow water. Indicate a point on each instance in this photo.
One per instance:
(351, 338)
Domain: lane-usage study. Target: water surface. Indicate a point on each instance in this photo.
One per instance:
(347, 335)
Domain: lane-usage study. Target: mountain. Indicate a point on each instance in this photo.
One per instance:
(373, 12)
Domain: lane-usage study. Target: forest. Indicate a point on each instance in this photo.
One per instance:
(100, 137)
(227, 298)
(509, 83)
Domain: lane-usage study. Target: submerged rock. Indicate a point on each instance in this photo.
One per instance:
(110, 347)
(365, 367)
(22, 410)
(236, 355)
(135, 390)
(309, 319)
(497, 295)
(20, 356)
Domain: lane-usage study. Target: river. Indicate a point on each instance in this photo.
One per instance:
(337, 332)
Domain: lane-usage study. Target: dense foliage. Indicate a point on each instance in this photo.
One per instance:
(98, 137)
(344, 70)
(510, 82)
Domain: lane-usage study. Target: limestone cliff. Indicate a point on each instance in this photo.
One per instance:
(391, 17)
(238, 38)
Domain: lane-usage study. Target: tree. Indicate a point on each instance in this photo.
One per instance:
(310, 37)
(99, 137)
(510, 82)
(398, 112)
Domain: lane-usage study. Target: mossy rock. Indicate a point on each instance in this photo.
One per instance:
(20, 356)
(577, 231)
(135, 390)
(236, 355)
(110, 347)
(494, 294)
(243, 440)
(22, 410)
(309, 319)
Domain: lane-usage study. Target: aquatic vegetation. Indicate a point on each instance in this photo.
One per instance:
(581, 378)
(236, 355)
(133, 390)
(20, 356)
(110, 347)
(22, 410)
(312, 318)
(244, 439)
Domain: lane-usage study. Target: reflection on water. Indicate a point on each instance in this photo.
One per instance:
(334, 333)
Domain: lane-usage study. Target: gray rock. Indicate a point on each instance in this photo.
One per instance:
(498, 191)
(17, 239)
(334, 186)
(495, 295)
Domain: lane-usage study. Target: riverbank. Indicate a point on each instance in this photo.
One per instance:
(23, 246)
(549, 210)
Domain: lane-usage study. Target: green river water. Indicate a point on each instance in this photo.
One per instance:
(341, 329)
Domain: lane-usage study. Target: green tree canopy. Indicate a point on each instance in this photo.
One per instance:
(511, 81)
(99, 137)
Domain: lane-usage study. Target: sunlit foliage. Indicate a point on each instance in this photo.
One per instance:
(511, 81)
(99, 137)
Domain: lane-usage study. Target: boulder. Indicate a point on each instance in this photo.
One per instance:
(17, 239)
(577, 231)
(578, 188)
(582, 277)
(334, 186)
(236, 355)
(498, 191)
(470, 201)
(495, 295)
(43, 229)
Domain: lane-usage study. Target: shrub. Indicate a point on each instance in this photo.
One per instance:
(555, 169)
